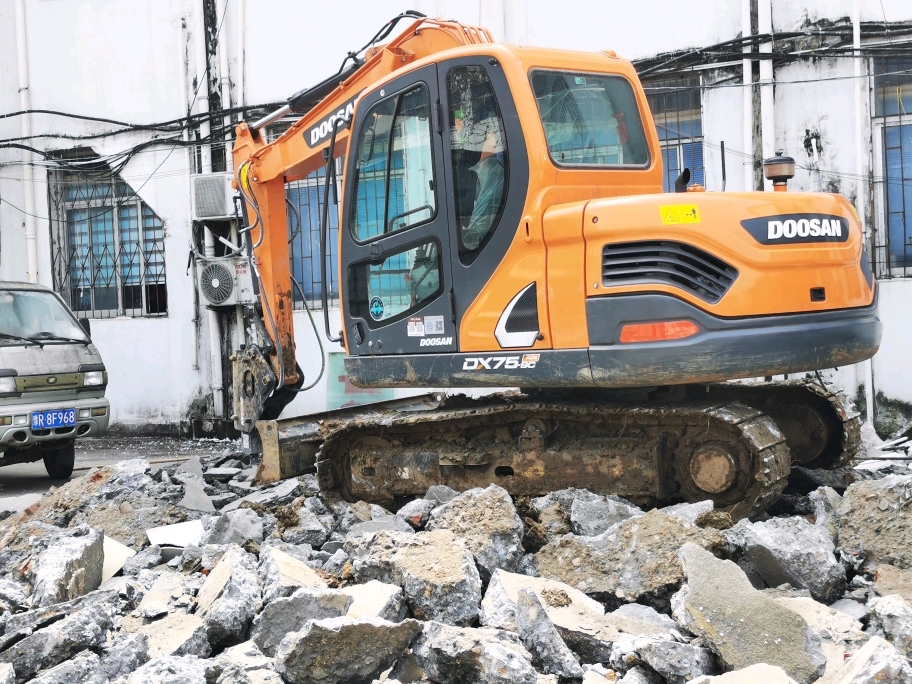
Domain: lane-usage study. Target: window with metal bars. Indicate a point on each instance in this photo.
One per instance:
(677, 112)
(107, 245)
(893, 127)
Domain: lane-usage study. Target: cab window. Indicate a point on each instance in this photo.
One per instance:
(394, 170)
(396, 286)
(590, 119)
(478, 150)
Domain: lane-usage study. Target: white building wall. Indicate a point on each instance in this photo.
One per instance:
(133, 60)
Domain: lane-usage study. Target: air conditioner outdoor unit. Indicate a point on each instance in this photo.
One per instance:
(212, 197)
(225, 281)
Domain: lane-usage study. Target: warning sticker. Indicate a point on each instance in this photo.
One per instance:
(677, 214)
(416, 327)
(433, 325)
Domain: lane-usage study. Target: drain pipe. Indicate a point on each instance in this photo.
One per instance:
(25, 130)
(202, 98)
(867, 366)
(767, 111)
(747, 97)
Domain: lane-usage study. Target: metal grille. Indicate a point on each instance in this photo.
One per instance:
(671, 263)
(107, 247)
(893, 127)
(307, 197)
(677, 112)
(210, 197)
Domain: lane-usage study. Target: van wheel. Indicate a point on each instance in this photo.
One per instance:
(59, 462)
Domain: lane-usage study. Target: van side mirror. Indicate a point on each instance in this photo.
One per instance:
(84, 323)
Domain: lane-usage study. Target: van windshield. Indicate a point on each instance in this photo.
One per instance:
(29, 315)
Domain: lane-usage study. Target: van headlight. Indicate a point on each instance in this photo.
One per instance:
(7, 384)
(93, 378)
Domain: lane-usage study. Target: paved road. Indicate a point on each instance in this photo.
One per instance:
(23, 484)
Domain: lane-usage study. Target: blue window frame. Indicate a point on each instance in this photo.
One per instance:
(676, 110)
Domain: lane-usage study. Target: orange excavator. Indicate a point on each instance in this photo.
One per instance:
(502, 224)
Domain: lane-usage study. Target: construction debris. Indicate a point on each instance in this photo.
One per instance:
(123, 577)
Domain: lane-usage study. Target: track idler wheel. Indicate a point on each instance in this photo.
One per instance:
(713, 469)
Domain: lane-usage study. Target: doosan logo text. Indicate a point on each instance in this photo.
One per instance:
(803, 228)
(435, 341)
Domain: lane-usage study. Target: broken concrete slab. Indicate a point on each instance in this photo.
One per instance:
(851, 607)
(282, 574)
(874, 522)
(541, 638)
(791, 550)
(440, 494)
(144, 560)
(183, 534)
(633, 559)
(677, 663)
(286, 615)
(220, 474)
(829, 623)
(891, 580)
(311, 656)
(436, 571)
(591, 517)
(453, 655)
(877, 663)
(120, 656)
(417, 512)
(689, 512)
(894, 617)
(498, 608)
(755, 674)
(740, 624)
(115, 555)
(195, 498)
(376, 599)
(485, 520)
(176, 670)
(70, 568)
(309, 529)
(647, 614)
(229, 598)
(565, 497)
(177, 634)
(157, 600)
(7, 675)
(271, 495)
(234, 527)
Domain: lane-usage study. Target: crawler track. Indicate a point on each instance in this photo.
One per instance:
(650, 454)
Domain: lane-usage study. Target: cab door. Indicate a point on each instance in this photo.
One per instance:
(394, 234)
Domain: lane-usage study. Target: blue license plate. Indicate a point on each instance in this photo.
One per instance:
(42, 420)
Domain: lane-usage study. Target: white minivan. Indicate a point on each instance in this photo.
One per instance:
(52, 379)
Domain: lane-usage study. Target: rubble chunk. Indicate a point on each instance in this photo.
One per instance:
(591, 517)
(145, 559)
(7, 675)
(440, 494)
(638, 611)
(286, 615)
(486, 521)
(229, 598)
(234, 527)
(86, 628)
(177, 634)
(827, 622)
(272, 495)
(874, 521)
(631, 560)
(251, 661)
(453, 655)
(740, 624)
(541, 638)
(677, 663)
(755, 674)
(220, 474)
(435, 570)
(175, 670)
(417, 512)
(894, 616)
(156, 602)
(850, 607)
(311, 656)
(195, 498)
(389, 523)
(689, 512)
(791, 550)
(283, 574)
(877, 663)
(309, 529)
(376, 599)
(76, 670)
(125, 653)
(71, 567)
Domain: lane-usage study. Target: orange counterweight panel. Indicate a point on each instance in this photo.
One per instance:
(771, 278)
(563, 232)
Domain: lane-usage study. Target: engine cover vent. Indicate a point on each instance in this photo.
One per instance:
(671, 263)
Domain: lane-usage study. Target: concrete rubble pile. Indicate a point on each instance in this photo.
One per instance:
(194, 574)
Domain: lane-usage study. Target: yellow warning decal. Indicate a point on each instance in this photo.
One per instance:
(677, 214)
